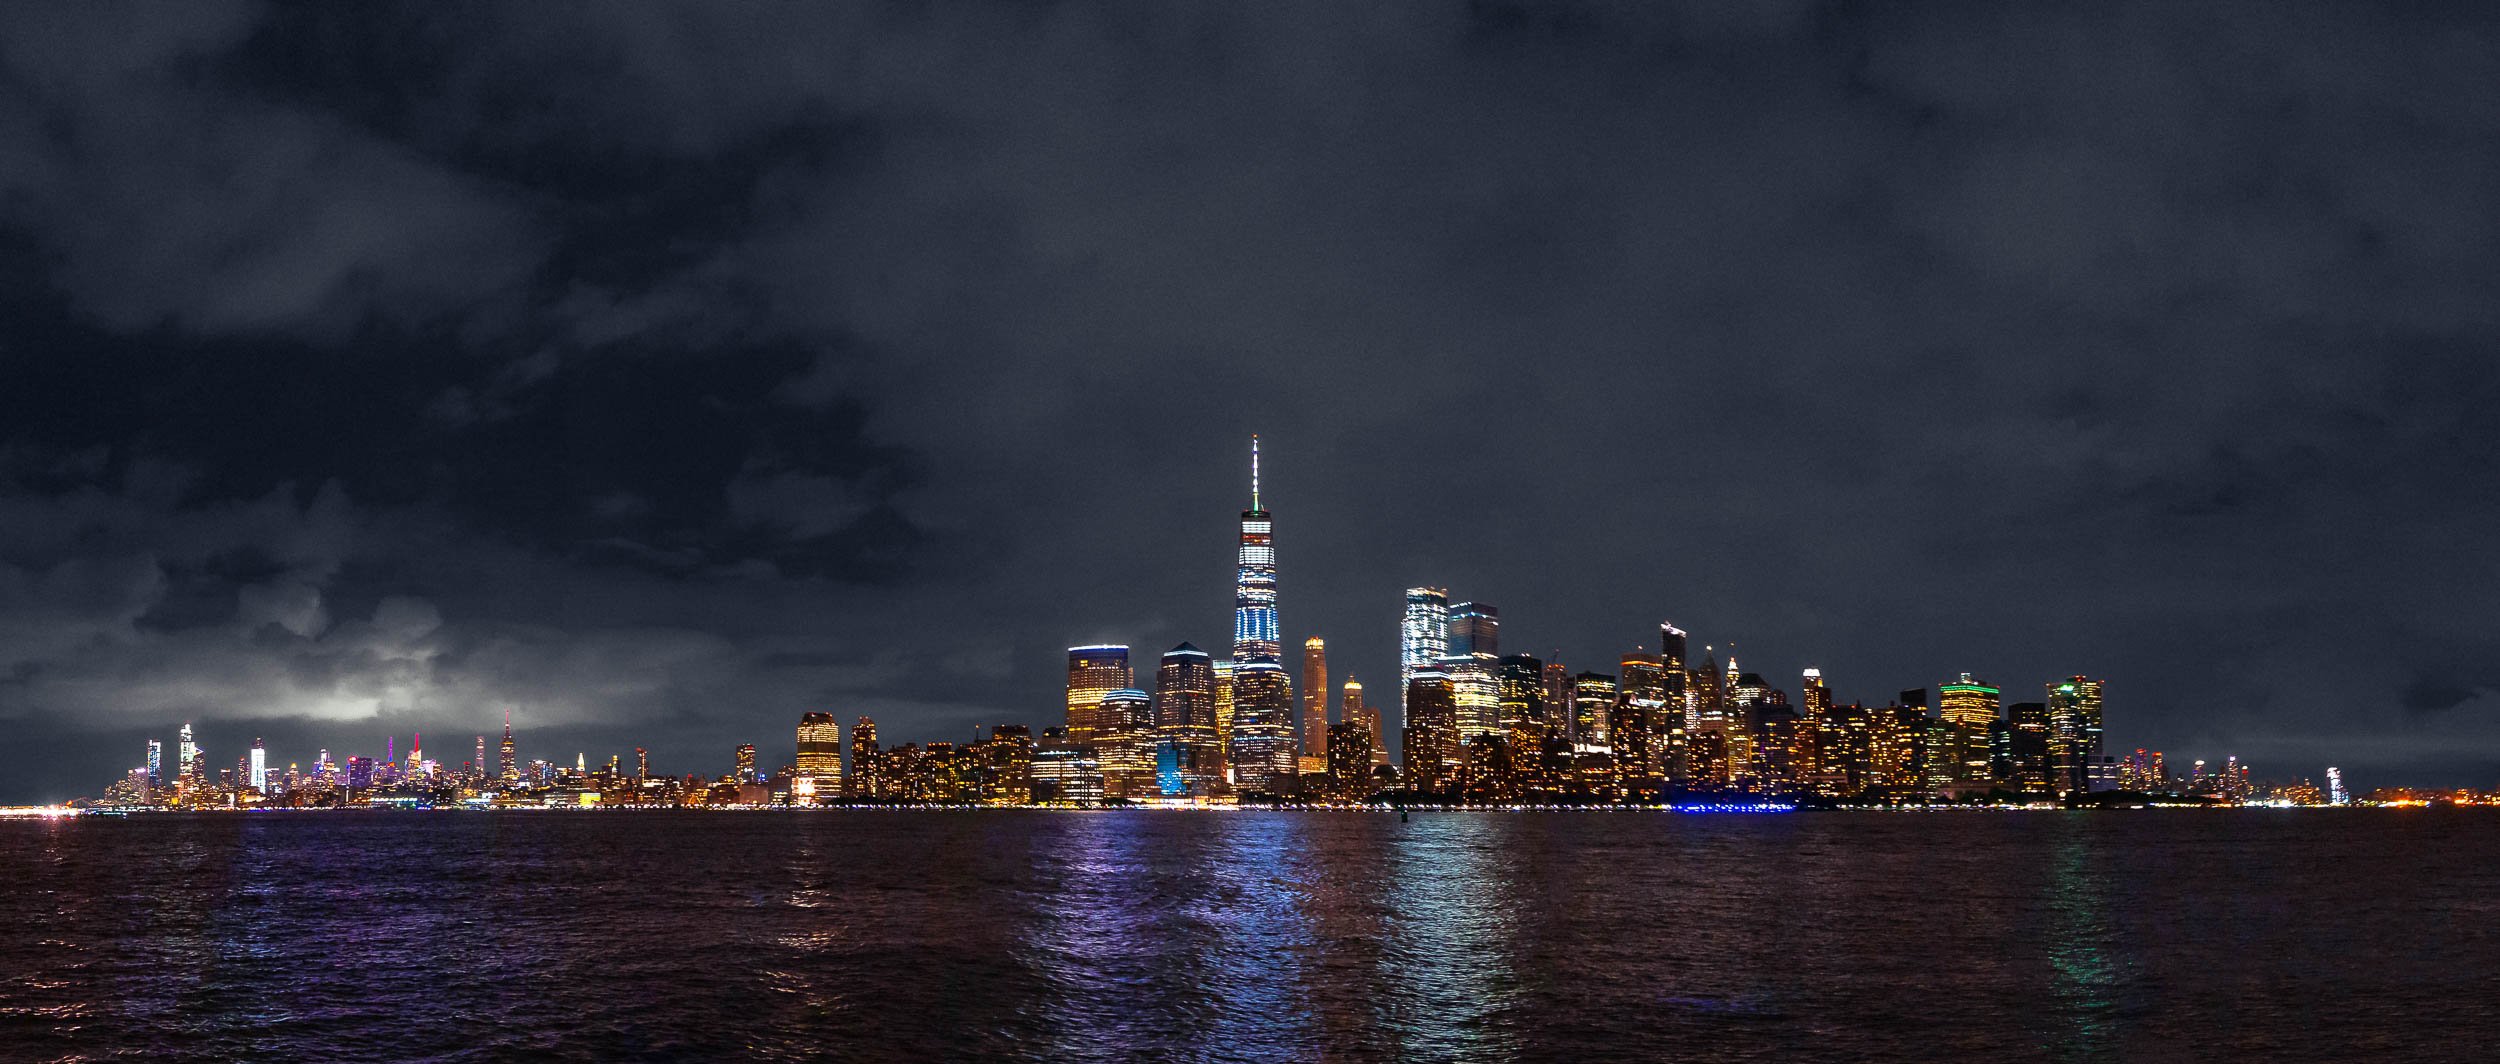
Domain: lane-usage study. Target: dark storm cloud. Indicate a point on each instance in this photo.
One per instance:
(664, 371)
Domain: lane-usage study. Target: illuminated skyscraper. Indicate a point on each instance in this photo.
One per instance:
(477, 768)
(1184, 708)
(1259, 738)
(260, 767)
(1521, 680)
(1475, 640)
(1820, 749)
(2074, 732)
(156, 763)
(1262, 754)
(1255, 638)
(746, 763)
(819, 755)
(1592, 701)
(1315, 697)
(1638, 730)
(1967, 707)
(1423, 638)
(2335, 792)
(1558, 696)
(1967, 701)
(1675, 725)
(1349, 761)
(508, 771)
(1477, 692)
(1126, 749)
(189, 750)
(1093, 672)
(1430, 741)
(1222, 769)
(868, 777)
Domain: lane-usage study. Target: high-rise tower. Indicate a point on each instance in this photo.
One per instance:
(1423, 638)
(1315, 697)
(1187, 762)
(1967, 708)
(1260, 740)
(1255, 636)
(1094, 672)
(820, 753)
(506, 771)
(2074, 732)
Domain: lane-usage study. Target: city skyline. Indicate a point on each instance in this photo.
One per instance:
(1476, 726)
(773, 359)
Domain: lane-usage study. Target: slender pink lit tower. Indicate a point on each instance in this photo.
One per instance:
(1262, 744)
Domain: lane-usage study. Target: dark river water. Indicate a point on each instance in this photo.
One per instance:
(2238, 936)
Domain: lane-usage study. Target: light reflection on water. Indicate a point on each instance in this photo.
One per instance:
(1245, 936)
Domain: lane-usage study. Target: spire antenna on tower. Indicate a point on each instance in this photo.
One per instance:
(1254, 471)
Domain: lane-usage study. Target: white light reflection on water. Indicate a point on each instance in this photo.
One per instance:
(1449, 976)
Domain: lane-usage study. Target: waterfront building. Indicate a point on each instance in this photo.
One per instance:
(1519, 681)
(1423, 639)
(1315, 698)
(1478, 693)
(1222, 769)
(1592, 703)
(1968, 707)
(1262, 747)
(868, 778)
(819, 761)
(1430, 741)
(1093, 672)
(1189, 753)
(259, 767)
(1127, 752)
(1066, 772)
(1349, 761)
(1639, 728)
(2074, 731)
(1558, 698)
(1675, 720)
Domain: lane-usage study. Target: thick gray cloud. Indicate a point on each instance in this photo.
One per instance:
(662, 372)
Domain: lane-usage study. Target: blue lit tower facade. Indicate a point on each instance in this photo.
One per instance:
(1262, 741)
(1255, 637)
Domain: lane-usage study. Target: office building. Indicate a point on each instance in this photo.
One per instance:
(1093, 672)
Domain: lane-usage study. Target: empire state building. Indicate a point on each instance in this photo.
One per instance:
(1262, 735)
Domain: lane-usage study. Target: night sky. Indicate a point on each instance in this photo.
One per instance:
(663, 373)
